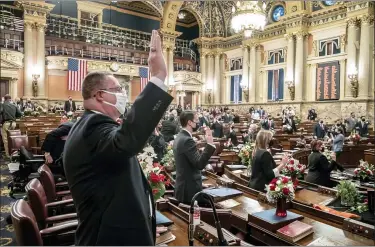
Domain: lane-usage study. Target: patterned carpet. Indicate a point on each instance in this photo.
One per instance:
(7, 235)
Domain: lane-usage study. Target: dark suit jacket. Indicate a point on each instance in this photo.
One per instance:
(267, 126)
(203, 120)
(262, 170)
(69, 106)
(109, 189)
(320, 169)
(53, 143)
(159, 145)
(319, 132)
(217, 130)
(169, 128)
(232, 135)
(189, 163)
(363, 130)
(227, 118)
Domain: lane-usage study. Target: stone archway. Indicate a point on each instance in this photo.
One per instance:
(171, 10)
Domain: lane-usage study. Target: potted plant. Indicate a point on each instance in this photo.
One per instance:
(348, 193)
(364, 171)
(280, 190)
(294, 170)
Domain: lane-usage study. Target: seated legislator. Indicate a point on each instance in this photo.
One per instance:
(263, 168)
(111, 194)
(53, 146)
(319, 166)
(189, 162)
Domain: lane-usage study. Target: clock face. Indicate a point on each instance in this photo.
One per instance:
(277, 12)
(329, 3)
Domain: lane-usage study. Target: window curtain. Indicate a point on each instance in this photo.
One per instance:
(235, 89)
(275, 85)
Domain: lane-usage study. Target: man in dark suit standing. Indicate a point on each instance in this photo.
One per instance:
(320, 130)
(112, 197)
(53, 146)
(70, 105)
(169, 128)
(189, 162)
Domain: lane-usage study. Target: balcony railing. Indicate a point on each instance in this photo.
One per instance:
(12, 44)
(186, 67)
(89, 54)
(9, 21)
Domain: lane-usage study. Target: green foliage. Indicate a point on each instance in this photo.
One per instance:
(348, 192)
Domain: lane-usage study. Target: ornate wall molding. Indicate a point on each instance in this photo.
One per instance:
(35, 11)
(188, 81)
(11, 59)
(61, 63)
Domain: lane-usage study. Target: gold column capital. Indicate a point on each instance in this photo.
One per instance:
(40, 27)
(352, 22)
(301, 34)
(289, 36)
(366, 19)
(29, 25)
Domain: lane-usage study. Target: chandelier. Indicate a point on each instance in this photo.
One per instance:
(181, 15)
(248, 16)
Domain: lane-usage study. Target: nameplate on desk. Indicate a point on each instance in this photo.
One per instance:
(162, 220)
(223, 193)
(236, 167)
(267, 219)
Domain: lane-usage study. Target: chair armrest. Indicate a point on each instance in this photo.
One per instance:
(61, 217)
(60, 203)
(63, 193)
(35, 161)
(71, 226)
(65, 183)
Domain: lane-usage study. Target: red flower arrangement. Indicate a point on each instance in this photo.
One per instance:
(365, 170)
(280, 187)
(355, 138)
(294, 169)
(157, 181)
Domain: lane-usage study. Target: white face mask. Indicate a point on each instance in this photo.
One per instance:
(121, 100)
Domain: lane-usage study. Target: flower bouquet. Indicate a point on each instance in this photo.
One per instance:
(364, 171)
(328, 154)
(168, 160)
(294, 169)
(152, 172)
(246, 154)
(280, 190)
(355, 138)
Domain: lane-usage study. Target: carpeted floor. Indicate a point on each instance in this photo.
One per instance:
(7, 235)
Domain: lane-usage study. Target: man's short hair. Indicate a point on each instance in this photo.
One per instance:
(7, 97)
(186, 116)
(93, 81)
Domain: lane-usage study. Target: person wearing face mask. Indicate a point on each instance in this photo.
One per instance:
(362, 127)
(217, 128)
(319, 167)
(113, 198)
(29, 105)
(338, 141)
(263, 168)
(189, 162)
(169, 128)
(319, 130)
(70, 106)
(157, 141)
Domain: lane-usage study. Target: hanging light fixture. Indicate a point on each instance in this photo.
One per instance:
(248, 16)
(181, 15)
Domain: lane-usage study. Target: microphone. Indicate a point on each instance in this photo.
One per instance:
(220, 235)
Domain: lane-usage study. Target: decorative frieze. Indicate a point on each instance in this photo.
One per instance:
(12, 58)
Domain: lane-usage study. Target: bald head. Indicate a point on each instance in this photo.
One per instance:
(93, 82)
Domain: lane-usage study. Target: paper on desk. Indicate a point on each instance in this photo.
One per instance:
(227, 204)
(13, 167)
(237, 171)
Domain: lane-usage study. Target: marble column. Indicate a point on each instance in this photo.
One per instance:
(245, 65)
(289, 64)
(222, 80)
(183, 101)
(216, 89)
(29, 61)
(199, 95)
(258, 77)
(352, 38)
(342, 77)
(253, 74)
(299, 67)
(203, 70)
(364, 58)
(170, 66)
(227, 86)
(210, 77)
(14, 88)
(262, 87)
(41, 59)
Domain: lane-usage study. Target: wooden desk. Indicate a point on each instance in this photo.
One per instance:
(322, 228)
(370, 156)
(179, 229)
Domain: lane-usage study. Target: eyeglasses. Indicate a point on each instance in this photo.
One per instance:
(116, 89)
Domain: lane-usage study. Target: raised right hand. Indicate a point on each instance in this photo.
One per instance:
(156, 60)
(209, 138)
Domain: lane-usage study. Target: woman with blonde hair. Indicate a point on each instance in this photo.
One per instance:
(264, 168)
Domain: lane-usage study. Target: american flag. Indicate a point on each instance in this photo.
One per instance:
(77, 70)
(145, 76)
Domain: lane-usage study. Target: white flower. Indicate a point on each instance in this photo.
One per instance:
(278, 182)
(277, 189)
